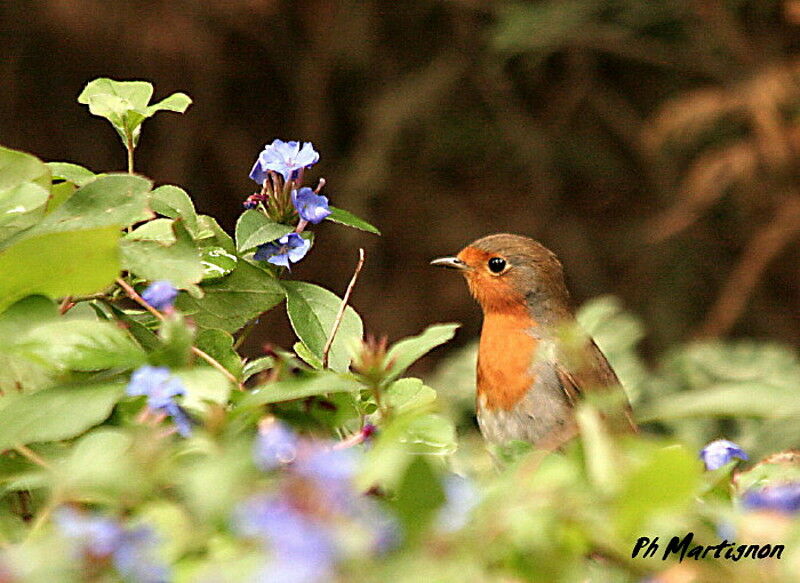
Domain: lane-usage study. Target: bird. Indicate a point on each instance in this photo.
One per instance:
(534, 364)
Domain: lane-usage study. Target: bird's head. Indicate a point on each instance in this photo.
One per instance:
(506, 273)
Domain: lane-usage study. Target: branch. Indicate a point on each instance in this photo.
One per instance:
(337, 322)
(205, 356)
(763, 247)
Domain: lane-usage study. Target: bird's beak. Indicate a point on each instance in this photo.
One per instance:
(450, 262)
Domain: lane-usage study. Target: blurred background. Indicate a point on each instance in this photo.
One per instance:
(653, 145)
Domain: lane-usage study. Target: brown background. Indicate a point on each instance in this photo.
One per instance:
(652, 145)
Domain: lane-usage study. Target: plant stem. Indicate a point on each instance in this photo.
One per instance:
(340, 315)
(129, 146)
(27, 452)
(205, 356)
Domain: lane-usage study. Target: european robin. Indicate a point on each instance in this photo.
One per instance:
(532, 368)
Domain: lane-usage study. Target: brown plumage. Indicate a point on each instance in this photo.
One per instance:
(529, 377)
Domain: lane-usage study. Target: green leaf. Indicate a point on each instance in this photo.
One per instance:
(752, 399)
(155, 230)
(84, 345)
(21, 207)
(211, 234)
(203, 384)
(56, 413)
(406, 351)
(59, 193)
(18, 168)
(418, 496)
(302, 351)
(177, 102)
(312, 311)
(178, 263)
(175, 342)
(255, 366)
(407, 395)
(59, 264)
(309, 385)
(217, 262)
(173, 202)
(228, 304)
(77, 175)
(219, 345)
(344, 217)
(18, 373)
(254, 228)
(115, 199)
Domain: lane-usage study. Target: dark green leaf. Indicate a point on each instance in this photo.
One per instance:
(344, 217)
(418, 496)
(59, 264)
(254, 228)
(312, 311)
(219, 345)
(228, 304)
(406, 351)
(56, 413)
(217, 262)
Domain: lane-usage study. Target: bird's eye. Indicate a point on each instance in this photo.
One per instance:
(497, 264)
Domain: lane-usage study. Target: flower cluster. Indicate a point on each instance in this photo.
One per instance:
(279, 171)
(99, 540)
(161, 389)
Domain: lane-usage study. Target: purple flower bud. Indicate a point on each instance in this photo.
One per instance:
(783, 498)
(249, 204)
(275, 445)
(288, 249)
(285, 158)
(160, 294)
(161, 389)
(310, 206)
(718, 453)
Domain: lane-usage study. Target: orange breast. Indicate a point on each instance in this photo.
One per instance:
(505, 356)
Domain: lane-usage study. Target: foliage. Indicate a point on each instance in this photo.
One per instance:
(137, 444)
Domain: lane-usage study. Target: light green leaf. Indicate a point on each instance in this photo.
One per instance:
(84, 345)
(155, 230)
(231, 302)
(136, 94)
(56, 413)
(59, 193)
(178, 263)
(209, 233)
(21, 207)
(417, 498)
(344, 217)
(310, 385)
(406, 351)
(16, 371)
(77, 175)
(173, 202)
(203, 384)
(115, 199)
(17, 168)
(70, 263)
(312, 311)
(254, 228)
(177, 102)
(255, 366)
(409, 394)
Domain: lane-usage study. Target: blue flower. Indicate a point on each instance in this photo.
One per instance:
(718, 453)
(160, 294)
(285, 158)
(331, 471)
(288, 249)
(161, 389)
(461, 497)
(303, 549)
(783, 498)
(310, 206)
(98, 537)
(275, 445)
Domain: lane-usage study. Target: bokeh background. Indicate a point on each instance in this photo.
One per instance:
(652, 144)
